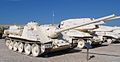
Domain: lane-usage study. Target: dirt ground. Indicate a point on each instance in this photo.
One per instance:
(103, 53)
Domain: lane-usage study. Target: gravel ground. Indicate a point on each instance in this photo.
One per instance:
(109, 53)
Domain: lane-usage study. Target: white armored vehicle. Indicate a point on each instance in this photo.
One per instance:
(85, 33)
(81, 33)
(37, 39)
(108, 34)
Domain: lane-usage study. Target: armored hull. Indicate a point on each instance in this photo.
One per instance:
(35, 39)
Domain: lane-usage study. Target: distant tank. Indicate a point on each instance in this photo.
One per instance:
(108, 34)
(37, 39)
(2, 28)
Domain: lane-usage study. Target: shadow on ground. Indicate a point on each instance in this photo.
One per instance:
(102, 54)
(69, 51)
(58, 53)
(103, 45)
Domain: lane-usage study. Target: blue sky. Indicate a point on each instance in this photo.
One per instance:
(23, 11)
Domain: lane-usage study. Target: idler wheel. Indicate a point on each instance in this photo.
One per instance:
(35, 50)
(15, 46)
(7, 42)
(27, 48)
(20, 47)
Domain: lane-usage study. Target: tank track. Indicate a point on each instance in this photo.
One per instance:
(27, 47)
(31, 48)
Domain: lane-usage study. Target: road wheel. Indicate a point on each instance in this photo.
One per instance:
(35, 50)
(15, 47)
(27, 48)
(20, 47)
(11, 45)
(81, 43)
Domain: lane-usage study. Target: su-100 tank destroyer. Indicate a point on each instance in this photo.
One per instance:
(37, 39)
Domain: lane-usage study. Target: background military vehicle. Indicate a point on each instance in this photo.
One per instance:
(81, 33)
(38, 39)
(1, 32)
(2, 28)
(85, 33)
(108, 34)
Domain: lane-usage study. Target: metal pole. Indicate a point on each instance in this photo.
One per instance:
(87, 54)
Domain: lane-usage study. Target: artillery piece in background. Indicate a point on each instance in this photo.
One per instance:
(37, 39)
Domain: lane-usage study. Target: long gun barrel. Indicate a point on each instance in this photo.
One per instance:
(116, 17)
(106, 18)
